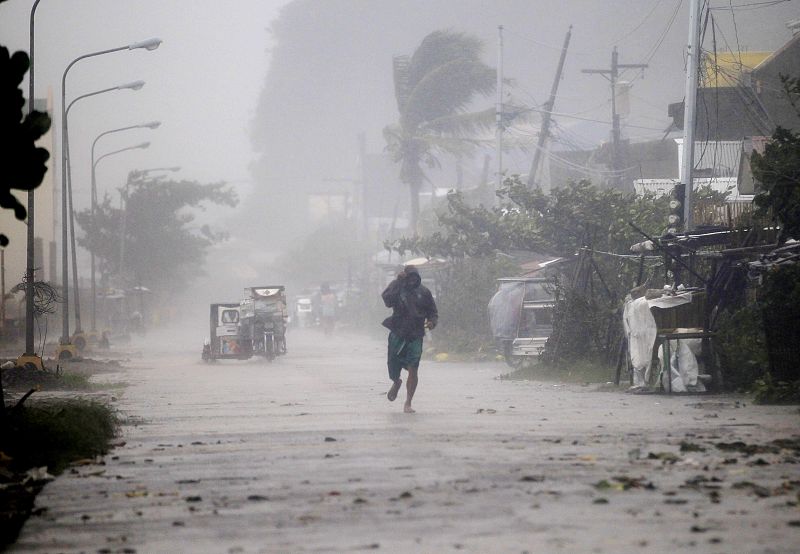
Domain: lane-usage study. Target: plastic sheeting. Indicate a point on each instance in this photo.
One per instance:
(683, 366)
(504, 309)
(670, 300)
(640, 330)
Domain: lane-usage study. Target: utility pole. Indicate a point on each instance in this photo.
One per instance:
(546, 116)
(499, 108)
(612, 75)
(690, 102)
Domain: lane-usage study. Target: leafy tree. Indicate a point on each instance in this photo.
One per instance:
(23, 164)
(434, 89)
(563, 223)
(778, 173)
(559, 224)
(777, 170)
(162, 250)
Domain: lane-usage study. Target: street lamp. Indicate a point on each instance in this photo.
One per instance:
(150, 44)
(150, 125)
(30, 352)
(135, 85)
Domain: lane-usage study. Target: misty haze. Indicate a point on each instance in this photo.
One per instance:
(399, 275)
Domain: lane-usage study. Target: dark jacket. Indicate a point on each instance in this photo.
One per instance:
(412, 303)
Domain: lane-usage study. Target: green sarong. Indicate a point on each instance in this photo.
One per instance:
(403, 353)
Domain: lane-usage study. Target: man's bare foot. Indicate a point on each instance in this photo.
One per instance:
(408, 409)
(392, 394)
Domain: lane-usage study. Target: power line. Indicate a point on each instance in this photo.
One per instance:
(578, 167)
(642, 22)
(652, 52)
(661, 38)
(752, 5)
(572, 116)
(736, 31)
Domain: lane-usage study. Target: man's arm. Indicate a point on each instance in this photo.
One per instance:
(391, 296)
(431, 313)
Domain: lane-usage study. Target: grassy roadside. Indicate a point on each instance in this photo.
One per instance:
(44, 436)
(578, 372)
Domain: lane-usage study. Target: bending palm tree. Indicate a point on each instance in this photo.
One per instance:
(434, 88)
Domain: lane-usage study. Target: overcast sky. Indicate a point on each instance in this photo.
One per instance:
(202, 83)
(331, 79)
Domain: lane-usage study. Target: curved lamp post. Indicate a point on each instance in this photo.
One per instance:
(150, 125)
(30, 350)
(149, 44)
(135, 85)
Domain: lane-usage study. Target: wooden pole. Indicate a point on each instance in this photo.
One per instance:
(546, 115)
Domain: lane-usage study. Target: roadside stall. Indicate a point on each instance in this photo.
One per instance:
(664, 330)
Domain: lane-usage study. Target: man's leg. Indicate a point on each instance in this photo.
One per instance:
(411, 387)
(392, 394)
(395, 367)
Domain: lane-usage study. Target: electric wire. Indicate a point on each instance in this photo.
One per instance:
(752, 5)
(656, 4)
(587, 170)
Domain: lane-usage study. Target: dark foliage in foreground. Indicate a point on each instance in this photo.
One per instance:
(51, 434)
(22, 161)
(55, 434)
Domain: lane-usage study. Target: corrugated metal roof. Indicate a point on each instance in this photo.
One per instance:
(716, 158)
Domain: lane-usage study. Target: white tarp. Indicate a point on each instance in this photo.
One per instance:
(640, 330)
(683, 367)
(670, 300)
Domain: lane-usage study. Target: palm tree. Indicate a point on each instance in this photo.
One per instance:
(434, 88)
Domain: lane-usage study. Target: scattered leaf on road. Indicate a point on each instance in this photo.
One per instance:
(666, 457)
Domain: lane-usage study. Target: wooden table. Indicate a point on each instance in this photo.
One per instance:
(663, 337)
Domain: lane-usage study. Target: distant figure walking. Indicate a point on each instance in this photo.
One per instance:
(413, 310)
(328, 303)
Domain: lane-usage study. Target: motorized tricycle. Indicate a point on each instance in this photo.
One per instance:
(521, 317)
(263, 320)
(226, 340)
(256, 326)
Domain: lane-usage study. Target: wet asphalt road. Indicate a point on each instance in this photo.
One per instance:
(306, 454)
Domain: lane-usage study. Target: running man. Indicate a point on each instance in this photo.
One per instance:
(413, 311)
